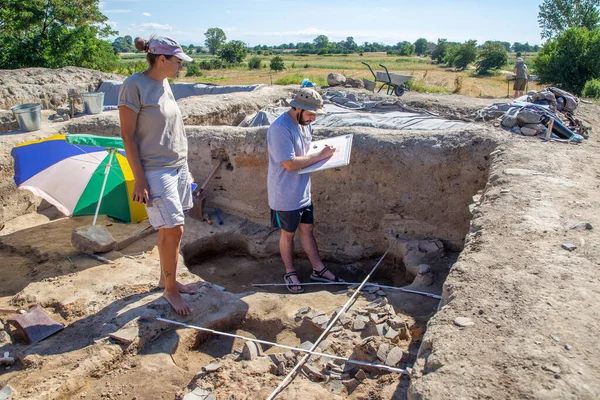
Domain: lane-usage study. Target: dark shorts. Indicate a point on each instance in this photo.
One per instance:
(289, 220)
(520, 84)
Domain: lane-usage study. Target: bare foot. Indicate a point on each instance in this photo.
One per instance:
(190, 288)
(177, 302)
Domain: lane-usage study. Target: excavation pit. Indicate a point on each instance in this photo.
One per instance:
(406, 190)
(418, 203)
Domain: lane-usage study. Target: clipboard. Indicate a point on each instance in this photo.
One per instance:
(341, 157)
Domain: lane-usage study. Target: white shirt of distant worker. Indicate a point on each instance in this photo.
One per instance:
(292, 210)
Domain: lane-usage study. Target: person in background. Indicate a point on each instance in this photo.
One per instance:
(521, 77)
(156, 148)
(288, 142)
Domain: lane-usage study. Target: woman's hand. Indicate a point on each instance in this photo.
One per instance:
(141, 192)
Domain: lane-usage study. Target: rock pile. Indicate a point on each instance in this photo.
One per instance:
(337, 79)
(373, 333)
(525, 122)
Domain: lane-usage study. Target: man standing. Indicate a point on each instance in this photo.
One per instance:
(288, 141)
(521, 75)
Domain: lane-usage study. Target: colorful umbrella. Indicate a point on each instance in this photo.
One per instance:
(79, 175)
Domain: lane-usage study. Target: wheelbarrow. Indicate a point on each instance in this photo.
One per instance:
(395, 83)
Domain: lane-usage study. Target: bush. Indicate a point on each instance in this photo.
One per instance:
(592, 89)
(296, 79)
(214, 63)
(493, 56)
(130, 68)
(254, 63)
(462, 55)
(233, 52)
(570, 60)
(407, 50)
(277, 64)
(193, 69)
(421, 87)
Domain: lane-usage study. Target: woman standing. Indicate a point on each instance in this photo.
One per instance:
(156, 147)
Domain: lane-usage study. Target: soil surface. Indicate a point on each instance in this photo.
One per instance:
(518, 317)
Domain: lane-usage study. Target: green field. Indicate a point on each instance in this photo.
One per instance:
(428, 77)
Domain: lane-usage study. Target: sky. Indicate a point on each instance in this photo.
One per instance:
(274, 22)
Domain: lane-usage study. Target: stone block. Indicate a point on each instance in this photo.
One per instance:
(383, 351)
(525, 117)
(335, 79)
(91, 239)
(394, 357)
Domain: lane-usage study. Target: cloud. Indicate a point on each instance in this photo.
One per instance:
(116, 11)
(154, 25)
(146, 14)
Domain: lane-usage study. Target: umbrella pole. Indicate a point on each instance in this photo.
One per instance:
(106, 169)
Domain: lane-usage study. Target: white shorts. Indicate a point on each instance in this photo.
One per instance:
(170, 196)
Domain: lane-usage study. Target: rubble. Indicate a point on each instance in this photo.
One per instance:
(251, 350)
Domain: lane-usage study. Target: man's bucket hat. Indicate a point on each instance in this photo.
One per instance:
(309, 100)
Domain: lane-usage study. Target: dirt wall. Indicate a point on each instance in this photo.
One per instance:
(49, 87)
(401, 184)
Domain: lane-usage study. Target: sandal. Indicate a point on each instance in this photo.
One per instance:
(318, 276)
(289, 284)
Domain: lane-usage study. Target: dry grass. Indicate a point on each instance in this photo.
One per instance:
(436, 78)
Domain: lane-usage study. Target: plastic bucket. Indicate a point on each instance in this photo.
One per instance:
(29, 116)
(93, 102)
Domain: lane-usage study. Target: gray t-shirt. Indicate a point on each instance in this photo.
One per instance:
(521, 70)
(286, 139)
(159, 133)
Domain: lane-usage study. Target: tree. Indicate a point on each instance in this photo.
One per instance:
(120, 45)
(321, 42)
(462, 55)
(233, 52)
(421, 46)
(254, 63)
(570, 60)
(440, 51)
(507, 46)
(215, 38)
(277, 64)
(54, 34)
(556, 16)
(351, 44)
(407, 49)
(492, 56)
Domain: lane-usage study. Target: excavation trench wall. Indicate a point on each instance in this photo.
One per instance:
(398, 184)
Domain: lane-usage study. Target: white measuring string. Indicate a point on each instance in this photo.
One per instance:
(435, 296)
(350, 361)
(326, 331)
